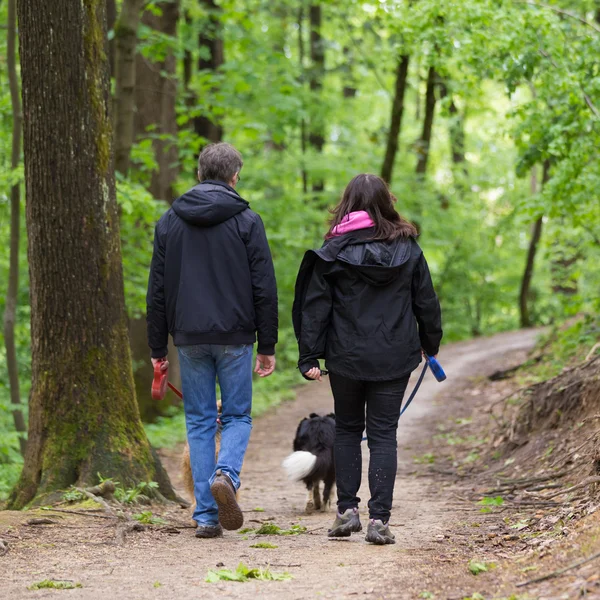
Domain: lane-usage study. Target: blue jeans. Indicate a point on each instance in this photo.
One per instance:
(200, 367)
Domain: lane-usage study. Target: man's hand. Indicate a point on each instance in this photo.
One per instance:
(163, 362)
(314, 373)
(265, 365)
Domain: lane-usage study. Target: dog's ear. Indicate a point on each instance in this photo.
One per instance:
(331, 416)
(313, 416)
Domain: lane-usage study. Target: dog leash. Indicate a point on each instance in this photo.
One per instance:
(438, 373)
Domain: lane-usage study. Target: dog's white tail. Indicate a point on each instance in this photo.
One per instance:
(299, 464)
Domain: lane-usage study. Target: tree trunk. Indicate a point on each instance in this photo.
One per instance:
(125, 42)
(350, 83)
(155, 116)
(316, 136)
(83, 417)
(301, 54)
(155, 100)
(425, 139)
(10, 310)
(396, 119)
(536, 235)
(111, 18)
(211, 39)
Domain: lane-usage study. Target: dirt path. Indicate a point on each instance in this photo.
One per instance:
(163, 566)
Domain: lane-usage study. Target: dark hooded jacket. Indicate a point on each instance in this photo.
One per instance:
(366, 307)
(212, 279)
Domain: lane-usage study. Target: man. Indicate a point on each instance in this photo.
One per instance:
(212, 287)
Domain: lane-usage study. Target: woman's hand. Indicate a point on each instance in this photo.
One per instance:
(314, 374)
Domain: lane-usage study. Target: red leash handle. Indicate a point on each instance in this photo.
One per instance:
(161, 383)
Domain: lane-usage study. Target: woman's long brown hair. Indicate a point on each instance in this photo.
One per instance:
(372, 194)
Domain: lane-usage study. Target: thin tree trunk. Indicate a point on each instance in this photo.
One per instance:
(83, 417)
(301, 54)
(424, 142)
(111, 18)
(387, 168)
(211, 38)
(349, 89)
(155, 101)
(10, 310)
(536, 235)
(316, 136)
(126, 30)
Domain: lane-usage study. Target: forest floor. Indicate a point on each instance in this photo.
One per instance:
(442, 533)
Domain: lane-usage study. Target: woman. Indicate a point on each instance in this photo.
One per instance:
(366, 304)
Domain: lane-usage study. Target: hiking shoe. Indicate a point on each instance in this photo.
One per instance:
(345, 524)
(379, 533)
(230, 513)
(209, 531)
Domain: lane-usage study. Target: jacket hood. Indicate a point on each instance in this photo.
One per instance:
(378, 263)
(209, 203)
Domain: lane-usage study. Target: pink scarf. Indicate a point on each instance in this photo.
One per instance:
(351, 222)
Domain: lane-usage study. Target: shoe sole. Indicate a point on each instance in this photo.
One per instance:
(345, 530)
(230, 514)
(378, 539)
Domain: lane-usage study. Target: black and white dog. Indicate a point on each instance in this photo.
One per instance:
(312, 459)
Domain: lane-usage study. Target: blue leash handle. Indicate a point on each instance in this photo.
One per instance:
(438, 373)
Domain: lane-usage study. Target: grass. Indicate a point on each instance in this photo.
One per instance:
(243, 574)
(264, 545)
(54, 585)
(272, 529)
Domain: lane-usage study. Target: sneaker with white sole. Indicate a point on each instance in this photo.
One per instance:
(346, 524)
(379, 533)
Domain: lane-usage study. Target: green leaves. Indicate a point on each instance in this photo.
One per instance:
(243, 574)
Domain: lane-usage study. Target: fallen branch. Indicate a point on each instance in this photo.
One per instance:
(558, 572)
(80, 512)
(584, 483)
(41, 522)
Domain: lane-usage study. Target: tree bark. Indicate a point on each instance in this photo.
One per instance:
(301, 54)
(387, 168)
(83, 417)
(155, 101)
(210, 39)
(536, 235)
(425, 140)
(126, 30)
(316, 136)
(10, 309)
(155, 116)
(111, 18)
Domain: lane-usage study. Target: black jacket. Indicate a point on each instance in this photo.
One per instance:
(211, 279)
(366, 307)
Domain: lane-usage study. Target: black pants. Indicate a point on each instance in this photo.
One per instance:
(383, 400)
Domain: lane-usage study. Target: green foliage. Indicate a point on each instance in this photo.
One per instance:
(476, 567)
(264, 545)
(142, 493)
(73, 495)
(51, 584)
(488, 503)
(243, 574)
(272, 529)
(147, 518)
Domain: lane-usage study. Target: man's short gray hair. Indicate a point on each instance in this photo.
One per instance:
(219, 161)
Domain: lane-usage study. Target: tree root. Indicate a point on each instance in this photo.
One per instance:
(124, 528)
(559, 572)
